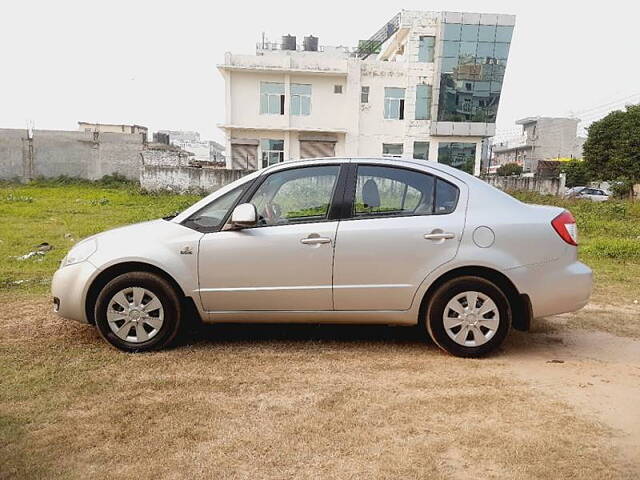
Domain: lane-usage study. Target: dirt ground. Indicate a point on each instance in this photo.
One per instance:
(323, 402)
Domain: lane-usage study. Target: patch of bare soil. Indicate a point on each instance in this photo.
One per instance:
(595, 372)
(296, 401)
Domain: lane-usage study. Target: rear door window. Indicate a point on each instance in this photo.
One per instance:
(392, 191)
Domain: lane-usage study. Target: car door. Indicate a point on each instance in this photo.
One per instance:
(285, 263)
(404, 223)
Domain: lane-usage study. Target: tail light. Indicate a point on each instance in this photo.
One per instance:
(566, 227)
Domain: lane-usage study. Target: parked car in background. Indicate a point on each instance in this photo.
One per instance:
(371, 241)
(593, 194)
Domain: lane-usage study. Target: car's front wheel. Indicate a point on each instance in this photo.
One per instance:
(468, 316)
(138, 311)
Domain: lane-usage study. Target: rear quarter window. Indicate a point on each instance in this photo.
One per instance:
(446, 197)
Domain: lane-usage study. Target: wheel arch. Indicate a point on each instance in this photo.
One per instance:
(520, 303)
(113, 271)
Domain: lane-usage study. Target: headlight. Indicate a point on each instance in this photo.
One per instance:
(80, 252)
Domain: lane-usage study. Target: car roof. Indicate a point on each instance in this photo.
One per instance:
(389, 160)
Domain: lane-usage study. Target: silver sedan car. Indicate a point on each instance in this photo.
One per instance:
(370, 241)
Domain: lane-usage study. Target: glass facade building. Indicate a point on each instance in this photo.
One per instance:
(472, 66)
(459, 155)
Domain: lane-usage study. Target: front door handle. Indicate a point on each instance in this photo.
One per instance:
(439, 236)
(315, 240)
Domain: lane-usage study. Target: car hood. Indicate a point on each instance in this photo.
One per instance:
(149, 241)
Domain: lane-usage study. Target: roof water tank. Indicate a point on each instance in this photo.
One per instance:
(310, 44)
(288, 42)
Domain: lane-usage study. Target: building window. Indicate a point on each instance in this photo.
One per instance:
(272, 98)
(364, 95)
(300, 99)
(272, 152)
(421, 150)
(459, 155)
(392, 150)
(474, 58)
(426, 49)
(423, 102)
(337, 89)
(394, 103)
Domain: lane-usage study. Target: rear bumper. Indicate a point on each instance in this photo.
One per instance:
(69, 288)
(554, 288)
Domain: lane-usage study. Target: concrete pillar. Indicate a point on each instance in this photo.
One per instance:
(433, 150)
(476, 167)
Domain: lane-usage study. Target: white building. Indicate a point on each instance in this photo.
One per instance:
(202, 150)
(426, 85)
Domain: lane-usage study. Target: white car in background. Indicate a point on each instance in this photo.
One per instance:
(593, 194)
(334, 240)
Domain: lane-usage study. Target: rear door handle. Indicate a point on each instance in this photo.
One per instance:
(439, 236)
(315, 240)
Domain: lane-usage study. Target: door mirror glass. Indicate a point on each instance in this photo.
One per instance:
(244, 216)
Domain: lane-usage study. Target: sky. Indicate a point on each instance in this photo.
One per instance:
(154, 63)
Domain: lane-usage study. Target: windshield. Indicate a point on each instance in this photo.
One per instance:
(213, 215)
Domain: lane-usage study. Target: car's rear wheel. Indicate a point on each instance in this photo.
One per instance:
(138, 311)
(468, 316)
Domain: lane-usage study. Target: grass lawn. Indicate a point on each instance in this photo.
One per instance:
(302, 401)
(61, 214)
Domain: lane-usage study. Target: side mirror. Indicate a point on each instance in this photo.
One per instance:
(244, 215)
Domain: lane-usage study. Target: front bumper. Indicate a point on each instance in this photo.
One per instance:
(554, 288)
(69, 288)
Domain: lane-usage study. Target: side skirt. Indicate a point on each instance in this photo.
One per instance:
(404, 317)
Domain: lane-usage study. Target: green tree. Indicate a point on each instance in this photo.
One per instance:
(577, 172)
(612, 149)
(509, 169)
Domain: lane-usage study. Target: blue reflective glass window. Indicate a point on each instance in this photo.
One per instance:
(501, 51)
(423, 102)
(394, 103)
(481, 86)
(271, 98)
(497, 72)
(486, 33)
(300, 99)
(450, 49)
(496, 87)
(452, 31)
(469, 33)
(504, 33)
(421, 150)
(468, 49)
(425, 49)
(449, 64)
(458, 155)
(484, 50)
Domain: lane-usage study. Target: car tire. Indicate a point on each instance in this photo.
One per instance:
(467, 329)
(138, 312)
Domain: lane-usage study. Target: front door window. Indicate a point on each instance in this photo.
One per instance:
(296, 195)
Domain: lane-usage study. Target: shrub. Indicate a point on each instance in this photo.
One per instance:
(622, 188)
(616, 248)
(509, 169)
(577, 173)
